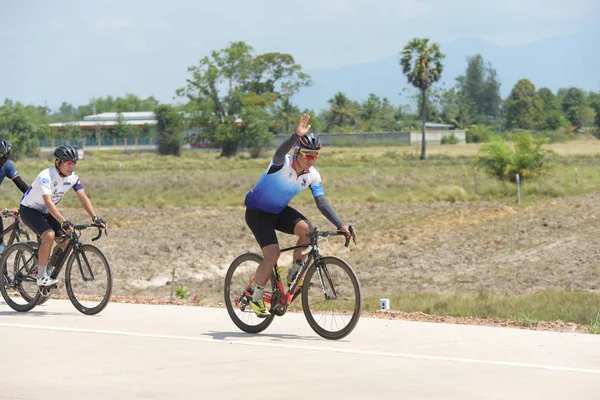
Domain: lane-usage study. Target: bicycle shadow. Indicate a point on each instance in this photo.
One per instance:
(32, 313)
(273, 336)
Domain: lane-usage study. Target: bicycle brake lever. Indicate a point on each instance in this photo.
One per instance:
(307, 250)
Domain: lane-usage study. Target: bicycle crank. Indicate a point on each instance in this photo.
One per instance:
(278, 303)
(46, 290)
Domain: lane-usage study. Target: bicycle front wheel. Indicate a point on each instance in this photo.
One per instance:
(88, 280)
(19, 272)
(237, 283)
(331, 298)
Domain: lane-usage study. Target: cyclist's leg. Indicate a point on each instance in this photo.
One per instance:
(293, 222)
(262, 226)
(38, 223)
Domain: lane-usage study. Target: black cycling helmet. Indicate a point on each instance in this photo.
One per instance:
(66, 153)
(5, 146)
(309, 142)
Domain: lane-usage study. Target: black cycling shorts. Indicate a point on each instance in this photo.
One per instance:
(263, 224)
(40, 222)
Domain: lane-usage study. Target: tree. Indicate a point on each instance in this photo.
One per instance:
(169, 126)
(342, 112)
(255, 129)
(594, 102)
(422, 64)
(523, 106)
(573, 103)
(481, 88)
(552, 116)
(228, 80)
(22, 126)
(455, 108)
(286, 114)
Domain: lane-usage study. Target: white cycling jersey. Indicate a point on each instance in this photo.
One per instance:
(49, 182)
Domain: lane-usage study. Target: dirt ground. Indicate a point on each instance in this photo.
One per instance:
(464, 247)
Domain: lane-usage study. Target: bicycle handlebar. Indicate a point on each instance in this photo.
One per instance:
(93, 225)
(9, 213)
(316, 233)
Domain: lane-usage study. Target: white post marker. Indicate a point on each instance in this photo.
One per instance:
(373, 177)
(384, 304)
(518, 190)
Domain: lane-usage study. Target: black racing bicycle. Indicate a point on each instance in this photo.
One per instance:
(88, 278)
(15, 232)
(330, 290)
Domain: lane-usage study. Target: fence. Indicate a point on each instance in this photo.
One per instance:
(329, 139)
(375, 138)
(84, 143)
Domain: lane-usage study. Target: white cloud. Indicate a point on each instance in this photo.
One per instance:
(113, 22)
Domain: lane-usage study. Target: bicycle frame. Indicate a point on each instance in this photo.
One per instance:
(73, 246)
(14, 228)
(313, 256)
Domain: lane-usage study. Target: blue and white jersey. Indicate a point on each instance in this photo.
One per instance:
(49, 182)
(279, 184)
(8, 170)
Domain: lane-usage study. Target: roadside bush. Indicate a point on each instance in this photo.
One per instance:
(181, 292)
(452, 139)
(479, 134)
(524, 156)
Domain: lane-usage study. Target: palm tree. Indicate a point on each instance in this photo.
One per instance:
(341, 110)
(422, 64)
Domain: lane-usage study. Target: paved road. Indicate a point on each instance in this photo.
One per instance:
(173, 352)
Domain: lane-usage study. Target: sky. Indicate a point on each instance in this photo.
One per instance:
(64, 50)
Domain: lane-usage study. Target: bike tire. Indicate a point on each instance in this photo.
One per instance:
(316, 311)
(23, 237)
(23, 254)
(24, 294)
(86, 252)
(242, 318)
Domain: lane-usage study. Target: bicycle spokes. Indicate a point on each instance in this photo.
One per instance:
(332, 300)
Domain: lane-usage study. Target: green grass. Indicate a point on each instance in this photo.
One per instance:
(577, 306)
(118, 179)
(137, 179)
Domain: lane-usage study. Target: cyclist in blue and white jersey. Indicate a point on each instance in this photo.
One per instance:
(267, 208)
(8, 170)
(38, 206)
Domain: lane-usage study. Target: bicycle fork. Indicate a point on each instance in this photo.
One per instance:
(323, 274)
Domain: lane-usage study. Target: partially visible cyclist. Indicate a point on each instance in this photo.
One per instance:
(8, 170)
(38, 206)
(267, 208)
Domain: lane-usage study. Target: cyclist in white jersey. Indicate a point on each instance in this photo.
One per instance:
(267, 208)
(38, 206)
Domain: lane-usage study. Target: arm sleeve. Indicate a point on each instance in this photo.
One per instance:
(283, 149)
(20, 184)
(327, 211)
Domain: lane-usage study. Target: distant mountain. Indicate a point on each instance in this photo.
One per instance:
(554, 63)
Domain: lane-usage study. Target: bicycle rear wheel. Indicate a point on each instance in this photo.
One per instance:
(237, 281)
(28, 296)
(88, 279)
(19, 272)
(332, 302)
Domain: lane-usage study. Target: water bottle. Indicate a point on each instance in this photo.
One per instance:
(296, 265)
(55, 258)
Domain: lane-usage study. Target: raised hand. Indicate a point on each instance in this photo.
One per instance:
(303, 128)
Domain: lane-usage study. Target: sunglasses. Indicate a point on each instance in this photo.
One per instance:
(4, 155)
(311, 157)
(70, 163)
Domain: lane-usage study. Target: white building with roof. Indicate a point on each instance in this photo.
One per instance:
(109, 120)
